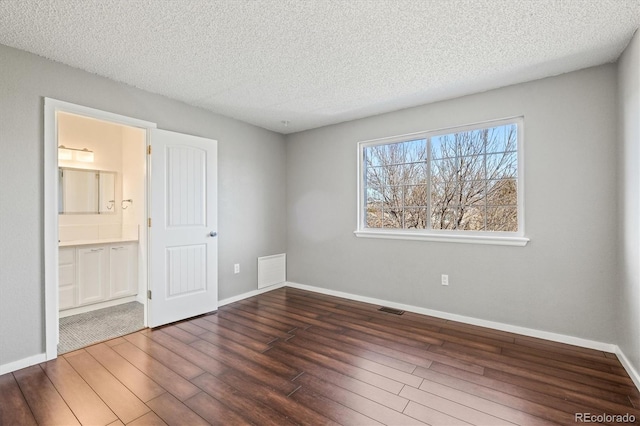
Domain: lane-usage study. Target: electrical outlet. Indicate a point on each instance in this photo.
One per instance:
(236, 268)
(445, 279)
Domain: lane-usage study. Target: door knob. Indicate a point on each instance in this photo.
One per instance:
(213, 234)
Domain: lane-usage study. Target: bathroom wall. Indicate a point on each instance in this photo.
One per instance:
(134, 165)
(105, 140)
(133, 180)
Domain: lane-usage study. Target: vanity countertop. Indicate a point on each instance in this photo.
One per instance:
(96, 241)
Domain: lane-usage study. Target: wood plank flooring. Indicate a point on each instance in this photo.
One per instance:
(294, 357)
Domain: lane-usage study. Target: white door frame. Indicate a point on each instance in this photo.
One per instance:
(50, 243)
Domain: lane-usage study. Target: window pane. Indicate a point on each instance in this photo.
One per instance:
(376, 176)
(502, 165)
(472, 218)
(415, 195)
(461, 144)
(472, 143)
(470, 192)
(445, 170)
(415, 173)
(411, 151)
(393, 197)
(393, 174)
(392, 217)
(396, 153)
(443, 195)
(441, 170)
(458, 193)
(502, 138)
(443, 217)
(471, 167)
(439, 195)
(375, 194)
(502, 192)
(374, 215)
(502, 219)
(415, 218)
(409, 173)
(389, 170)
(403, 164)
(458, 168)
(441, 147)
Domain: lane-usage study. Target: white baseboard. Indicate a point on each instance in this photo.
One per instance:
(633, 373)
(22, 363)
(250, 294)
(577, 341)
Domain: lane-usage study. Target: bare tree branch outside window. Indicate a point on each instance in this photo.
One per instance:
(458, 181)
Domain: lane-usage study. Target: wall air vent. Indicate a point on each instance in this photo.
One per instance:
(272, 270)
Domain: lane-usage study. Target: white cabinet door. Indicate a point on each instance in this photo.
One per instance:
(67, 278)
(93, 274)
(123, 270)
(183, 254)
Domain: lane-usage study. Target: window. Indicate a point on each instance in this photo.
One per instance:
(462, 184)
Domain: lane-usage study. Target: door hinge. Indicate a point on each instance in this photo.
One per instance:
(149, 294)
(149, 222)
(149, 149)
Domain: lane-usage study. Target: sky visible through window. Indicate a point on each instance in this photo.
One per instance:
(456, 181)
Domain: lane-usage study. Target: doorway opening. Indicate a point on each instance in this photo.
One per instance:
(101, 217)
(96, 250)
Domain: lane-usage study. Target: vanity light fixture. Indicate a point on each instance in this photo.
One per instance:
(64, 153)
(83, 154)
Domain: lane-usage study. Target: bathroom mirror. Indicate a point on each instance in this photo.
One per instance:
(84, 191)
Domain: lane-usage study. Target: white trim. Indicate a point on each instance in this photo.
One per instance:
(555, 337)
(50, 243)
(50, 229)
(97, 114)
(632, 372)
(96, 306)
(445, 238)
(251, 293)
(22, 363)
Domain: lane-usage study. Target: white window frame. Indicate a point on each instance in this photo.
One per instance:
(441, 235)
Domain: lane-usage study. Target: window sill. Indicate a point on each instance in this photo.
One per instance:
(466, 239)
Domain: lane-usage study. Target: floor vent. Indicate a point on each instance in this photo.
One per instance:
(391, 310)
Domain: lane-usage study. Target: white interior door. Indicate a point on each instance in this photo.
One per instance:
(183, 248)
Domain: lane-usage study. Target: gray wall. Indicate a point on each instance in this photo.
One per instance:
(251, 184)
(628, 305)
(563, 281)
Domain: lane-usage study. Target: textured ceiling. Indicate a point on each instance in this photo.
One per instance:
(314, 63)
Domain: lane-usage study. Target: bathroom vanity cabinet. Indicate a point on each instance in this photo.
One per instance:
(94, 273)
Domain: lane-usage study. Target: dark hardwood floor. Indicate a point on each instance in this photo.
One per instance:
(295, 357)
